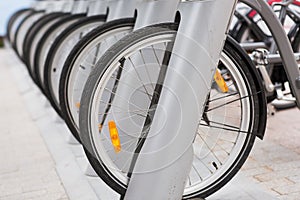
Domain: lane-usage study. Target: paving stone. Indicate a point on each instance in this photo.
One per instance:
(288, 189)
(291, 196)
(251, 163)
(295, 179)
(274, 183)
(257, 171)
(271, 171)
(276, 175)
(293, 164)
(35, 194)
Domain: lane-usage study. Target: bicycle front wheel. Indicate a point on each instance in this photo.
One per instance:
(226, 131)
(59, 51)
(80, 63)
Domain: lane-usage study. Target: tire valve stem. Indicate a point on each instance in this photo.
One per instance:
(215, 165)
(114, 136)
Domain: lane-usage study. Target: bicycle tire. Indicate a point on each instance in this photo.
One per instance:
(90, 97)
(23, 30)
(33, 32)
(13, 19)
(84, 45)
(32, 13)
(15, 23)
(44, 45)
(59, 51)
(35, 39)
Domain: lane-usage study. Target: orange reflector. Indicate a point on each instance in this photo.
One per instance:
(220, 81)
(77, 105)
(114, 136)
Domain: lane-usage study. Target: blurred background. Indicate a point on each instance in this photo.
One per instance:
(7, 8)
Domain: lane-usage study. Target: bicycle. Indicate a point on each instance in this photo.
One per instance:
(154, 48)
(253, 34)
(40, 52)
(18, 17)
(102, 103)
(60, 49)
(82, 58)
(46, 8)
(14, 21)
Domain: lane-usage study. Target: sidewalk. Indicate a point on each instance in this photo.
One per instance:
(27, 169)
(39, 161)
(274, 163)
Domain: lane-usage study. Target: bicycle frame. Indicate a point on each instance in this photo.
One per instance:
(248, 18)
(283, 45)
(271, 56)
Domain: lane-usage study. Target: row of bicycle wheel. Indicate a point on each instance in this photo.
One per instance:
(103, 79)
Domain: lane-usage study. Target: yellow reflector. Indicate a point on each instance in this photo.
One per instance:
(114, 136)
(220, 81)
(77, 105)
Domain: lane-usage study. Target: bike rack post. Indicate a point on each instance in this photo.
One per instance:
(155, 12)
(164, 162)
(97, 7)
(67, 6)
(41, 5)
(121, 9)
(60, 6)
(80, 6)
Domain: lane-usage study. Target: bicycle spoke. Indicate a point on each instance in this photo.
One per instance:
(230, 102)
(226, 129)
(146, 68)
(195, 169)
(223, 124)
(137, 89)
(224, 97)
(138, 75)
(124, 111)
(120, 97)
(211, 150)
(196, 156)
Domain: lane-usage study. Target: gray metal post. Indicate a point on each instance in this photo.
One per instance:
(80, 6)
(41, 5)
(97, 7)
(121, 9)
(59, 6)
(67, 5)
(165, 160)
(153, 12)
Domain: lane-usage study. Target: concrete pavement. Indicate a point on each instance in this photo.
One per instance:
(38, 160)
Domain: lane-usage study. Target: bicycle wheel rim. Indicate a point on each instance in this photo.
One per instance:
(104, 158)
